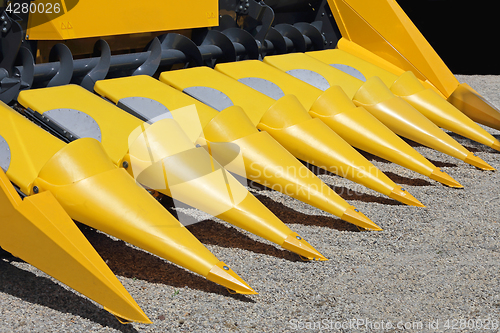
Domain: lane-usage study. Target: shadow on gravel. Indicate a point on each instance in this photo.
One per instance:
(215, 233)
(394, 177)
(407, 181)
(474, 146)
(441, 164)
(7, 255)
(133, 263)
(349, 194)
(291, 216)
(412, 143)
(371, 157)
(43, 291)
(223, 234)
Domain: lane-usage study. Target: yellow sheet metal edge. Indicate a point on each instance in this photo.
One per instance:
(286, 120)
(265, 161)
(93, 191)
(38, 230)
(354, 124)
(68, 19)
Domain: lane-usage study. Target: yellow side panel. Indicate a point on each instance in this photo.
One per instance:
(382, 27)
(93, 18)
(27, 159)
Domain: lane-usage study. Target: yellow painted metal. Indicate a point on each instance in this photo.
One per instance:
(472, 104)
(355, 50)
(439, 111)
(380, 32)
(161, 157)
(268, 163)
(265, 161)
(286, 121)
(411, 89)
(394, 112)
(93, 18)
(38, 230)
(354, 124)
(367, 68)
(93, 191)
(383, 28)
(404, 120)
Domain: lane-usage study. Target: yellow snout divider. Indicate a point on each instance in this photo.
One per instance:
(160, 156)
(229, 135)
(354, 124)
(368, 31)
(426, 100)
(93, 191)
(39, 231)
(286, 120)
(374, 96)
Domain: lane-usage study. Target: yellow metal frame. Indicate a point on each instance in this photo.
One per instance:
(93, 18)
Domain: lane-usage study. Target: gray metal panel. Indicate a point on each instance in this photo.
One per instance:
(145, 108)
(264, 86)
(310, 77)
(210, 96)
(5, 154)
(76, 122)
(350, 70)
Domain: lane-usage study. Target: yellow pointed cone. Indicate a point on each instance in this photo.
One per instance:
(298, 245)
(195, 171)
(268, 163)
(426, 100)
(475, 106)
(438, 110)
(93, 191)
(444, 178)
(362, 130)
(112, 202)
(354, 216)
(160, 156)
(402, 195)
(368, 31)
(375, 97)
(355, 125)
(229, 133)
(192, 170)
(224, 275)
(312, 141)
(477, 162)
(404, 120)
(39, 231)
(286, 121)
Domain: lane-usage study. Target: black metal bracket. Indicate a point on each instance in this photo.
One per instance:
(49, 126)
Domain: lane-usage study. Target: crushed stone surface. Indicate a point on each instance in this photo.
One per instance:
(429, 267)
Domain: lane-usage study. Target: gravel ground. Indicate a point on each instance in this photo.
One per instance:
(430, 269)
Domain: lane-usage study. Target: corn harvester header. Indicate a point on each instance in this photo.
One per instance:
(106, 108)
